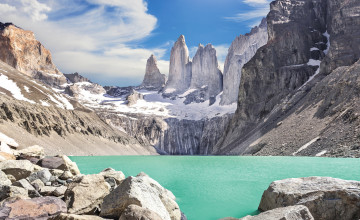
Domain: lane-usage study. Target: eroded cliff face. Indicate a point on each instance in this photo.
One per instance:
(153, 79)
(306, 42)
(171, 135)
(180, 69)
(206, 72)
(242, 49)
(20, 49)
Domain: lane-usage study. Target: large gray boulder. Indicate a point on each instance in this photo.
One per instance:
(327, 198)
(86, 193)
(134, 212)
(298, 212)
(12, 191)
(65, 216)
(118, 176)
(144, 192)
(61, 163)
(37, 208)
(19, 169)
(153, 79)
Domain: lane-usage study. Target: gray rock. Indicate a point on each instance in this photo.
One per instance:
(37, 184)
(153, 79)
(66, 175)
(144, 192)
(76, 77)
(60, 163)
(65, 216)
(180, 69)
(86, 193)
(242, 49)
(32, 151)
(12, 191)
(327, 198)
(47, 190)
(206, 72)
(4, 180)
(298, 212)
(23, 183)
(133, 97)
(19, 169)
(59, 191)
(44, 175)
(111, 173)
(134, 212)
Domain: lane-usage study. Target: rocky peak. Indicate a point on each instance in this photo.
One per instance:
(153, 79)
(20, 49)
(76, 77)
(180, 69)
(242, 49)
(205, 71)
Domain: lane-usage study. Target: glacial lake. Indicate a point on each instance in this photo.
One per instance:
(213, 187)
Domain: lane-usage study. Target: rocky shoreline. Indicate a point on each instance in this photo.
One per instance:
(35, 186)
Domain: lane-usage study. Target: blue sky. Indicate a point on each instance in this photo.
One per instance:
(109, 41)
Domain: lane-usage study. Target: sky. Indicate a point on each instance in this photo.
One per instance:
(109, 41)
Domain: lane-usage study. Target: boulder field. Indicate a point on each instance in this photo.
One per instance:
(34, 186)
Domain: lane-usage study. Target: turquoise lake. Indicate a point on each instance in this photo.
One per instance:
(209, 187)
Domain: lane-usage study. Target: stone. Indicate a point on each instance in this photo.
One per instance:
(153, 79)
(12, 191)
(76, 77)
(33, 151)
(241, 50)
(29, 57)
(85, 194)
(37, 184)
(59, 191)
(298, 212)
(8, 141)
(47, 190)
(4, 179)
(327, 198)
(206, 72)
(60, 163)
(36, 208)
(180, 69)
(117, 175)
(65, 216)
(7, 156)
(19, 169)
(133, 97)
(44, 175)
(5, 148)
(56, 172)
(23, 183)
(144, 192)
(134, 212)
(66, 175)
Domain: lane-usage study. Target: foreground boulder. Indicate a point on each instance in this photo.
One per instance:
(134, 212)
(4, 180)
(327, 198)
(32, 152)
(86, 193)
(298, 212)
(144, 192)
(19, 169)
(12, 191)
(37, 208)
(108, 173)
(60, 163)
(64, 216)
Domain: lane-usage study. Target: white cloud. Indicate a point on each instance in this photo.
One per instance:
(260, 8)
(97, 41)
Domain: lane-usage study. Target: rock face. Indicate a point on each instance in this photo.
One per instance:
(206, 72)
(21, 50)
(133, 97)
(37, 208)
(242, 49)
(298, 212)
(153, 79)
(144, 192)
(76, 77)
(327, 198)
(279, 80)
(180, 69)
(171, 135)
(134, 212)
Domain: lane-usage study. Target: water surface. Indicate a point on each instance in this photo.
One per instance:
(209, 187)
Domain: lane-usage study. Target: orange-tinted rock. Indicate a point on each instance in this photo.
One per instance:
(37, 208)
(20, 49)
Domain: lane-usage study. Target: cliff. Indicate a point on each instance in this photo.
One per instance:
(153, 79)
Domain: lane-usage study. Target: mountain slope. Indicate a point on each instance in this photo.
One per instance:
(276, 113)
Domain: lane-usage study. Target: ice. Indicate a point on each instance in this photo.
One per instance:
(11, 86)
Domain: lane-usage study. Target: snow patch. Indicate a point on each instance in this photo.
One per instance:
(327, 35)
(187, 92)
(65, 102)
(321, 153)
(44, 103)
(11, 86)
(4, 138)
(27, 89)
(306, 145)
(169, 90)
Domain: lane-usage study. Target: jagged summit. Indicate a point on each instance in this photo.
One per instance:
(153, 79)
(4, 25)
